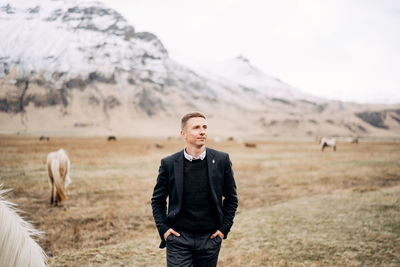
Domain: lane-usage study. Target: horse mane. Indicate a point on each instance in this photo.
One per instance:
(17, 247)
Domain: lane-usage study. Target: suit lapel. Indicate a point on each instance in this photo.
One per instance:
(178, 171)
(211, 172)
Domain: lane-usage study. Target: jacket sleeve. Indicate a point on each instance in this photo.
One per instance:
(230, 202)
(159, 200)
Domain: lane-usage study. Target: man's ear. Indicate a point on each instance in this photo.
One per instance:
(183, 133)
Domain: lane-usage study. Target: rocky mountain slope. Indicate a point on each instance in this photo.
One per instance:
(79, 68)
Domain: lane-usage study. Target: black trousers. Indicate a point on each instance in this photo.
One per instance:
(188, 249)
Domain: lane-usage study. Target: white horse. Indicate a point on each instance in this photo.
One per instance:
(58, 167)
(17, 247)
(327, 142)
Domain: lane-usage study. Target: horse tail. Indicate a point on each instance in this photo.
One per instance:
(59, 176)
(67, 178)
(17, 247)
(49, 171)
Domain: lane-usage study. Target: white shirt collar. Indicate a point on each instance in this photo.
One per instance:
(190, 157)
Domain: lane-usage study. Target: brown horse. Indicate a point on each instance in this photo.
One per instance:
(253, 145)
(112, 138)
(58, 167)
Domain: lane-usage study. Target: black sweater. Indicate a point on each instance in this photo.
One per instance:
(198, 213)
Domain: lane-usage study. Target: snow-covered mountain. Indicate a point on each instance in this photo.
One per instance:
(240, 71)
(61, 46)
(71, 37)
(68, 67)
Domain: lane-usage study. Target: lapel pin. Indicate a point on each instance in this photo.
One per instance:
(213, 161)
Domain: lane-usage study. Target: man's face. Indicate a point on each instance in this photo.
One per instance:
(195, 131)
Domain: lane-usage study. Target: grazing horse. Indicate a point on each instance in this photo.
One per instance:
(325, 142)
(58, 167)
(159, 146)
(250, 145)
(112, 138)
(353, 140)
(46, 138)
(17, 247)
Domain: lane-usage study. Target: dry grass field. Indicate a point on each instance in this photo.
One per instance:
(298, 206)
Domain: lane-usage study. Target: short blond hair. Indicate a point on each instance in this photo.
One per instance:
(190, 115)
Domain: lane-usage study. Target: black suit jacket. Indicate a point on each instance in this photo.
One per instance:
(170, 184)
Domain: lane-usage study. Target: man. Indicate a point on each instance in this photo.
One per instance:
(202, 198)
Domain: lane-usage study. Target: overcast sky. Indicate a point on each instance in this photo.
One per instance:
(341, 49)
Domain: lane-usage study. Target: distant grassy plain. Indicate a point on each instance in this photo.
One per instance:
(298, 206)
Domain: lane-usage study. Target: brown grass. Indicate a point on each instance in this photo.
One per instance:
(297, 206)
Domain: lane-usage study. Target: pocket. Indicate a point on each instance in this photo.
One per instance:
(169, 237)
(217, 239)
